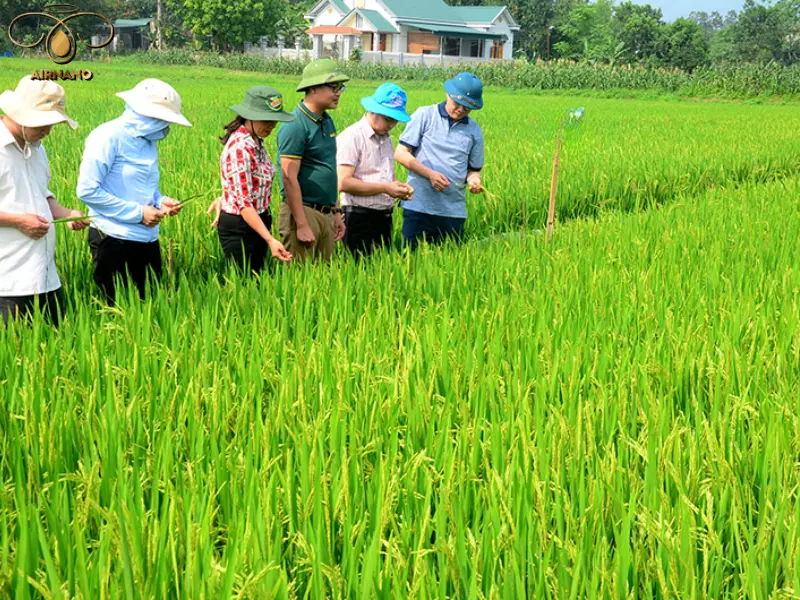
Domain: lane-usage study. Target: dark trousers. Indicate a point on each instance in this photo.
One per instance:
(240, 242)
(114, 257)
(50, 305)
(432, 228)
(367, 230)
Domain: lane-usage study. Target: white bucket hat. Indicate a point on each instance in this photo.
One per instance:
(156, 99)
(36, 103)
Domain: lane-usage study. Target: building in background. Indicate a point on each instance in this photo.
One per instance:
(404, 30)
(133, 34)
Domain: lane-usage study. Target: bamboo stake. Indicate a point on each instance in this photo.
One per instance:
(551, 211)
(169, 261)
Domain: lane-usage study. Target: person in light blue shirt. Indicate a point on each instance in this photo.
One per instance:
(443, 150)
(119, 183)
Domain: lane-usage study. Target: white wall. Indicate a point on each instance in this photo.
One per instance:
(328, 16)
(401, 41)
(504, 29)
(508, 49)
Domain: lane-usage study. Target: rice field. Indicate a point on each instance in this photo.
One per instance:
(611, 415)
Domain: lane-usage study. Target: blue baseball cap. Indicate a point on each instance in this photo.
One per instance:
(388, 100)
(466, 89)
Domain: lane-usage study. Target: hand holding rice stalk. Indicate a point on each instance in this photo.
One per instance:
(195, 197)
(572, 121)
(481, 190)
(409, 193)
(71, 220)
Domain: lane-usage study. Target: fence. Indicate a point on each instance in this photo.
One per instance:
(278, 52)
(388, 58)
(426, 60)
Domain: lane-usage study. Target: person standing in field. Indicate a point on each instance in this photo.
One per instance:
(310, 222)
(243, 217)
(119, 180)
(365, 165)
(28, 275)
(443, 150)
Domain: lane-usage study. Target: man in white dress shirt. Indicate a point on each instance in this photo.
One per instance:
(28, 276)
(365, 166)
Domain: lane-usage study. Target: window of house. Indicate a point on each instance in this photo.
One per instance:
(475, 48)
(452, 46)
(359, 21)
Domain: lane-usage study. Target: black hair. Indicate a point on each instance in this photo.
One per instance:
(230, 128)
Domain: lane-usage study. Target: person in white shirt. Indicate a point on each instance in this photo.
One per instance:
(28, 275)
(365, 165)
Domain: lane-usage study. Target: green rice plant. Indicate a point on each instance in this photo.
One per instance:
(613, 414)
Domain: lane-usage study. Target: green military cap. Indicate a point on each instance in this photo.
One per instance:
(262, 103)
(321, 72)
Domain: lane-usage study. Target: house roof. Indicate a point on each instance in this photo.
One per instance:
(334, 29)
(131, 23)
(338, 4)
(433, 10)
(455, 31)
(379, 22)
(478, 14)
(435, 16)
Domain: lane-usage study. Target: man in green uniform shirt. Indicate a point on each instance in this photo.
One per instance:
(310, 223)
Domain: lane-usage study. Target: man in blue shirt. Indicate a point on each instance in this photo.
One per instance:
(443, 150)
(118, 181)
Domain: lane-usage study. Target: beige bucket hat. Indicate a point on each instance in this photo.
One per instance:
(156, 99)
(36, 103)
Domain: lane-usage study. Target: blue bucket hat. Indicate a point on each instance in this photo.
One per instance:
(466, 89)
(388, 100)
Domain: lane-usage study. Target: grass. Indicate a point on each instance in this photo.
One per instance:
(612, 415)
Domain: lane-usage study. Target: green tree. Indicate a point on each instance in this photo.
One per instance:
(540, 22)
(722, 47)
(640, 28)
(587, 34)
(228, 25)
(685, 44)
(292, 24)
(758, 33)
(710, 23)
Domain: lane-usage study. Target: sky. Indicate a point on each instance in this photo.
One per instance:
(673, 9)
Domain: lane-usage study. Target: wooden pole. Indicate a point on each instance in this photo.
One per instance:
(551, 211)
(169, 260)
(159, 38)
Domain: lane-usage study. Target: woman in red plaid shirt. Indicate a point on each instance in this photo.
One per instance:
(244, 219)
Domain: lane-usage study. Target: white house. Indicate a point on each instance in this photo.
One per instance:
(412, 27)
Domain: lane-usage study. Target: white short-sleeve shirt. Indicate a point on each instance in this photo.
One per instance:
(27, 266)
(372, 155)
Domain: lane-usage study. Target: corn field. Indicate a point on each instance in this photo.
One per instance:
(753, 81)
(611, 415)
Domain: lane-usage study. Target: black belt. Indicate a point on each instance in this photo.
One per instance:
(325, 209)
(363, 210)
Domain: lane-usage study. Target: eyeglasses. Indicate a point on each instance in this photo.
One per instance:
(458, 106)
(337, 88)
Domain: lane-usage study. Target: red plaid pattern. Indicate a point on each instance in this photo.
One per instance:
(247, 173)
